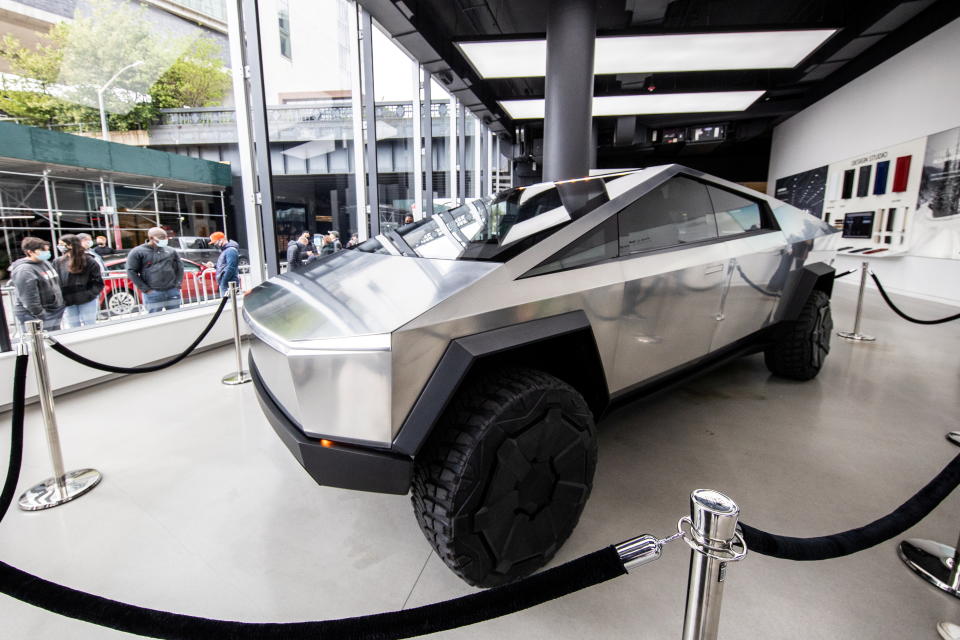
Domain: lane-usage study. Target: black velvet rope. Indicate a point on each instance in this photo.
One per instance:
(900, 313)
(16, 434)
(753, 285)
(584, 572)
(843, 544)
(845, 273)
(76, 357)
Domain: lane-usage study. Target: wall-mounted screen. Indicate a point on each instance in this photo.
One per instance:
(858, 225)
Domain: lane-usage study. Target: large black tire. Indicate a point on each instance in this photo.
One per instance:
(803, 345)
(503, 480)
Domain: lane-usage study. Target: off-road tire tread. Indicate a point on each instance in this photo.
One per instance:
(791, 356)
(445, 457)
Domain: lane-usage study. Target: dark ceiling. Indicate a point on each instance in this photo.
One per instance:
(869, 33)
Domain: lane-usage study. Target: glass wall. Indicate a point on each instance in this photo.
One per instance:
(115, 71)
(395, 84)
(308, 83)
(443, 120)
(165, 83)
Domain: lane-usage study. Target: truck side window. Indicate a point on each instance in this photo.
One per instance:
(735, 214)
(677, 212)
(599, 244)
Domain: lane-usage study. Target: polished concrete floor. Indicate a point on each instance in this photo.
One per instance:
(203, 511)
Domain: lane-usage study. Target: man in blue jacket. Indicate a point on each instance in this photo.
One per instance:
(228, 262)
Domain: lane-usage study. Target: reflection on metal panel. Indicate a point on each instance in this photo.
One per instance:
(597, 290)
(341, 395)
(755, 277)
(352, 293)
(671, 306)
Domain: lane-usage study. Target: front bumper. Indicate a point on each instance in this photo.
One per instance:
(341, 465)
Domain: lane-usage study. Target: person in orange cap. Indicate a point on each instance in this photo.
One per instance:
(227, 262)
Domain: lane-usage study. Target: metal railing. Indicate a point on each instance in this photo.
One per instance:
(295, 113)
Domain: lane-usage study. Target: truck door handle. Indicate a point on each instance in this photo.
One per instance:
(713, 268)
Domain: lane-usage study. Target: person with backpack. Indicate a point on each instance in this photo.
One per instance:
(81, 281)
(37, 285)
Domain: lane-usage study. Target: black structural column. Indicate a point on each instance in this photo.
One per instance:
(571, 31)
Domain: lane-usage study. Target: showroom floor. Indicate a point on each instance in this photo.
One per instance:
(203, 510)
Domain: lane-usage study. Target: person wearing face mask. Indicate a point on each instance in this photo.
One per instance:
(87, 241)
(81, 282)
(157, 271)
(37, 285)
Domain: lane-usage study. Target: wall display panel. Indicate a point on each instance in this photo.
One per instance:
(804, 190)
(880, 180)
(848, 177)
(901, 176)
(863, 181)
(914, 206)
(937, 228)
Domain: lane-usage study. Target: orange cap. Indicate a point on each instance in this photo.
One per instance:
(217, 236)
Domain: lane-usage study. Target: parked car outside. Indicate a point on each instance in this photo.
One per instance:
(120, 296)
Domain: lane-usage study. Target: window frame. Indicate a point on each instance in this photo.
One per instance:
(768, 224)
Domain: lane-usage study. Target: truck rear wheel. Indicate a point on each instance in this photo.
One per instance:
(503, 480)
(802, 347)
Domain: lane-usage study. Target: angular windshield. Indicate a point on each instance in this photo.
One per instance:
(494, 228)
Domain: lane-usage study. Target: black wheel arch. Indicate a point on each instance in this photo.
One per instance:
(563, 346)
(808, 278)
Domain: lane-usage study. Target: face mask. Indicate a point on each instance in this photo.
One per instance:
(87, 244)
(61, 248)
(162, 243)
(43, 255)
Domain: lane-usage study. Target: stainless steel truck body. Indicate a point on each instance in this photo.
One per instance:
(469, 354)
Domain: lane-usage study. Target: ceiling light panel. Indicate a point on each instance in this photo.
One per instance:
(657, 53)
(645, 104)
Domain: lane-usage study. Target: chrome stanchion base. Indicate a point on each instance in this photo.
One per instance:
(954, 437)
(856, 337)
(931, 561)
(240, 377)
(45, 495)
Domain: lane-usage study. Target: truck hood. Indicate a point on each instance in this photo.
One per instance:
(353, 294)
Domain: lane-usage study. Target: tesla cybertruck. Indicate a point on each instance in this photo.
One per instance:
(466, 357)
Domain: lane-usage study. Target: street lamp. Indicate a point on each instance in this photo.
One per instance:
(105, 133)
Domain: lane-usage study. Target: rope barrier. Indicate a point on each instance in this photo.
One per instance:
(16, 434)
(845, 273)
(584, 572)
(76, 357)
(886, 298)
(753, 285)
(847, 542)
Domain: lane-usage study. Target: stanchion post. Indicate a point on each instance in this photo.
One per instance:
(63, 486)
(937, 563)
(713, 539)
(241, 376)
(855, 335)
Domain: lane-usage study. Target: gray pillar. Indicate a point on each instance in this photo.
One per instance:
(571, 31)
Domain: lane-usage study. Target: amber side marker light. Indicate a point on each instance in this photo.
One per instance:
(326, 443)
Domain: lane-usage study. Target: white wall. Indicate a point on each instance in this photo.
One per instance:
(126, 344)
(914, 94)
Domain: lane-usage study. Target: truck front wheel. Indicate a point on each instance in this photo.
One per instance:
(503, 480)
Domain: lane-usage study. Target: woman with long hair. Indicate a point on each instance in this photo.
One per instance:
(80, 281)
